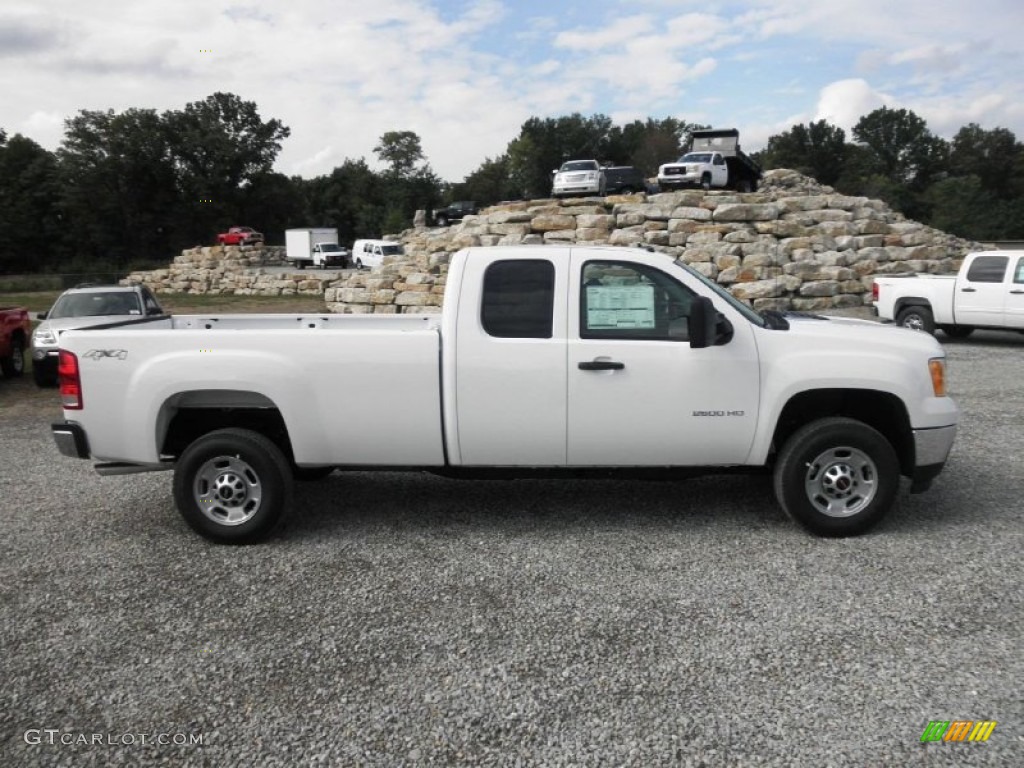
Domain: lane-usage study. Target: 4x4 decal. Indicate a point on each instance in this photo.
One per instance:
(99, 354)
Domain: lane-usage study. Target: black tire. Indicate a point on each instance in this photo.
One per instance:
(13, 365)
(916, 318)
(300, 264)
(705, 182)
(837, 477)
(233, 486)
(744, 185)
(626, 191)
(359, 263)
(442, 221)
(310, 474)
(957, 331)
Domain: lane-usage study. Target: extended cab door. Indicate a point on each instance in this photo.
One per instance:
(980, 295)
(510, 361)
(639, 395)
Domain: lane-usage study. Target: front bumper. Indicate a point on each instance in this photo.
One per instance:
(931, 449)
(679, 180)
(71, 440)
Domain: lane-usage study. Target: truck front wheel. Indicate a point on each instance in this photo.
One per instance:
(916, 319)
(836, 476)
(705, 182)
(233, 486)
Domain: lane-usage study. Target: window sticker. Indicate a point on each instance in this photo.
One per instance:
(620, 306)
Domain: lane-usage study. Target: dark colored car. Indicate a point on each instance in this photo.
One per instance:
(624, 180)
(454, 212)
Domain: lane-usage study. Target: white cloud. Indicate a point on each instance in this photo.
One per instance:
(844, 102)
(613, 35)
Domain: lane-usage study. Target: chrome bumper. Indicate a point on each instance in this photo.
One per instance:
(932, 446)
(71, 440)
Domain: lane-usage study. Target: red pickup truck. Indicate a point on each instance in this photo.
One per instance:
(240, 236)
(15, 330)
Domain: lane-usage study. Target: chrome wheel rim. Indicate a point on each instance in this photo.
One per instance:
(227, 490)
(913, 322)
(841, 482)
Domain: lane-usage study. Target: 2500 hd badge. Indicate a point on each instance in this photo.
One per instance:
(718, 413)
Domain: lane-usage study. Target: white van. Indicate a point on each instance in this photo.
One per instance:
(371, 253)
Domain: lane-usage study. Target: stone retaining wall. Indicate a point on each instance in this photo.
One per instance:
(231, 269)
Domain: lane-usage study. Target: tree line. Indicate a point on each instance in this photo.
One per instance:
(127, 189)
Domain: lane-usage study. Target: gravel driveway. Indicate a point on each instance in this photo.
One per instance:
(407, 620)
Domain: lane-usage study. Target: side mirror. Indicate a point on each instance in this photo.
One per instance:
(703, 319)
(40, 315)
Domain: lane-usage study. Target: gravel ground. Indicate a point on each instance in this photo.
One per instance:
(407, 620)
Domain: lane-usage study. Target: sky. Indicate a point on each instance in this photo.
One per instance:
(465, 74)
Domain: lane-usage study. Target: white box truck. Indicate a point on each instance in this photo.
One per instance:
(315, 247)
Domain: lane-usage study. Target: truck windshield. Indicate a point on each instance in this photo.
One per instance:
(696, 157)
(735, 303)
(96, 305)
(330, 247)
(579, 165)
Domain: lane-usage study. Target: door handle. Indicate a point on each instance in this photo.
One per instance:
(1018, 291)
(969, 290)
(601, 365)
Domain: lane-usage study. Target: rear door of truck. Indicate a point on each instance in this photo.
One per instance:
(982, 290)
(509, 362)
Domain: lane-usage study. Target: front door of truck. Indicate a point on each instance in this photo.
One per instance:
(719, 171)
(510, 362)
(1014, 309)
(639, 395)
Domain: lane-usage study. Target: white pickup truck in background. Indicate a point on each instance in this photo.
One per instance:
(545, 361)
(987, 292)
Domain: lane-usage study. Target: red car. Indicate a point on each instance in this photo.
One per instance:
(15, 329)
(240, 236)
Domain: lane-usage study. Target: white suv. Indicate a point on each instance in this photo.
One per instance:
(578, 177)
(84, 306)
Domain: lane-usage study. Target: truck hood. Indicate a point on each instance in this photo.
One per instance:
(857, 333)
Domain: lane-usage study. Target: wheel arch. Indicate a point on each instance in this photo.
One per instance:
(187, 416)
(910, 301)
(883, 411)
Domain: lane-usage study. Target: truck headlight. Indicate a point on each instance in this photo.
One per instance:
(43, 337)
(937, 368)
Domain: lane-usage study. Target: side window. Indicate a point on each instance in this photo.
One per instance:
(988, 269)
(518, 299)
(1018, 276)
(620, 300)
(719, 160)
(149, 302)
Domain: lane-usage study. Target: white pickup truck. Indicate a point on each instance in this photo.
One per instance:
(545, 360)
(988, 292)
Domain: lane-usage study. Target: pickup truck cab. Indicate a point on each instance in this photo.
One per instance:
(987, 292)
(545, 360)
(240, 236)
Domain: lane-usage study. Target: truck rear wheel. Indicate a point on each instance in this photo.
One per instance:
(14, 364)
(836, 476)
(442, 221)
(233, 486)
(916, 318)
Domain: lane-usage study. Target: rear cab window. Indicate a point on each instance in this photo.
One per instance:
(518, 299)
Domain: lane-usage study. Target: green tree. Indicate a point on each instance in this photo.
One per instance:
(902, 148)
(118, 186)
(994, 156)
(817, 149)
(401, 151)
(30, 215)
(219, 146)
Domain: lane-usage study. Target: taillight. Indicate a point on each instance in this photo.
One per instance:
(874, 291)
(70, 381)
